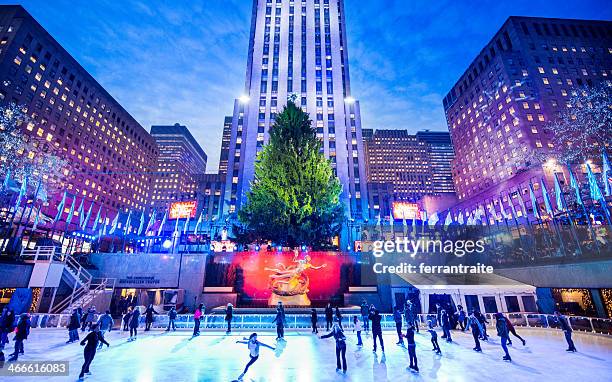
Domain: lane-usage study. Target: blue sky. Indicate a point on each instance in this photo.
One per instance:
(185, 61)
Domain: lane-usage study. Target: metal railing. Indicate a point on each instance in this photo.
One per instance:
(41, 254)
(302, 321)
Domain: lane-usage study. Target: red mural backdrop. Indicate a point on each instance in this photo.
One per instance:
(253, 280)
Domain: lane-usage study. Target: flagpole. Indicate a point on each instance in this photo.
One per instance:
(569, 216)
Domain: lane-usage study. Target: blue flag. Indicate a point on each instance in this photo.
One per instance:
(593, 186)
(547, 203)
(574, 184)
(60, 208)
(534, 202)
(607, 174)
(559, 195)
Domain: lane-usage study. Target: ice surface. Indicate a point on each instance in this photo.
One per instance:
(213, 356)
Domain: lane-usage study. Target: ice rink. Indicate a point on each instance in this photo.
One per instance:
(213, 356)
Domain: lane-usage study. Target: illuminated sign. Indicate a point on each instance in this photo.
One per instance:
(405, 210)
(182, 210)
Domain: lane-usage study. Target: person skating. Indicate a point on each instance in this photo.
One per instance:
(446, 326)
(229, 315)
(338, 335)
(149, 318)
(171, 318)
(329, 317)
(89, 319)
(476, 328)
(513, 331)
(502, 332)
(414, 363)
(567, 330)
(197, 319)
(357, 327)
(134, 323)
(439, 314)
(397, 317)
(7, 321)
(434, 337)
(365, 312)
(461, 318)
(313, 321)
(21, 334)
(253, 345)
(376, 318)
(483, 324)
(280, 324)
(126, 319)
(73, 327)
(91, 342)
(338, 317)
(105, 324)
(411, 316)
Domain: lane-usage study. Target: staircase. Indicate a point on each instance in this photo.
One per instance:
(85, 288)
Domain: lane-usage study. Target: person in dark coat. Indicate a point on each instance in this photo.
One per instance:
(567, 330)
(126, 319)
(365, 312)
(483, 324)
(513, 331)
(73, 326)
(397, 317)
(476, 328)
(338, 317)
(171, 318)
(338, 335)
(411, 316)
(21, 334)
(414, 363)
(91, 342)
(329, 317)
(149, 317)
(434, 337)
(89, 318)
(280, 324)
(461, 318)
(503, 332)
(229, 315)
(6, 325)
(376, 318)
(439, 314)
(134, 323)
(313, 321)
(105, 324)
(446, 326)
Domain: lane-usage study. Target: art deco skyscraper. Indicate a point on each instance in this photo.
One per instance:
(298, 48)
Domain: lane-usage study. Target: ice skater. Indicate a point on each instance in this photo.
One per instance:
(171, 318)
(313, 321)
(89, 319)
(149, 317)
(357, 327)
(197, 319)
(126, 319)
(253, 345)
(376, 318)
(329, 317)
(414, 363)
(134, 323)
(439, 314)
(434, 337)
(397, 317)
(7, 321)
(280, 324)
(503, 333)
(105, 324)
(21, 334)
(365, 312)
(338, 335)
(483, 324)
(513, 331)
(91, 342)
(411, 316)
(73, 327)
(567, 330)
(476, 328)
(446, 326)
(338, 316)
(229, 315)
(461, 318)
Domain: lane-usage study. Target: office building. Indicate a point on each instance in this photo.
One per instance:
(225, 145)
(441, 154)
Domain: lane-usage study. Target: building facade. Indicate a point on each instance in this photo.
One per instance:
(400, 159)
(498, 111)
(180, 159)
(441, 154)
(298, 49)
(110, 155)
(225, 145)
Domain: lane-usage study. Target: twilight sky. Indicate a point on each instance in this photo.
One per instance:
(185, 61)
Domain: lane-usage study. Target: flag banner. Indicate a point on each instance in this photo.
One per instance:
(70, 212)
(594, 189)
(128, 224)
(114, 224)
(151, 221)
(547, 203)
(60, 208)
(186, 227)
(574, 184)
(163, 222)
(84, 225)
(534, 202)
(36, 220)
(607, 174)
(559, 195)
(449, 218)
(81, 213)
(141, 225)
(97, 220)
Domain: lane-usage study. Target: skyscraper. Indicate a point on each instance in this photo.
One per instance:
(180, 159)
(110, 155)
(398, 158)
(440, 153)
(498, 111)
(225, 145)
(298, 48)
